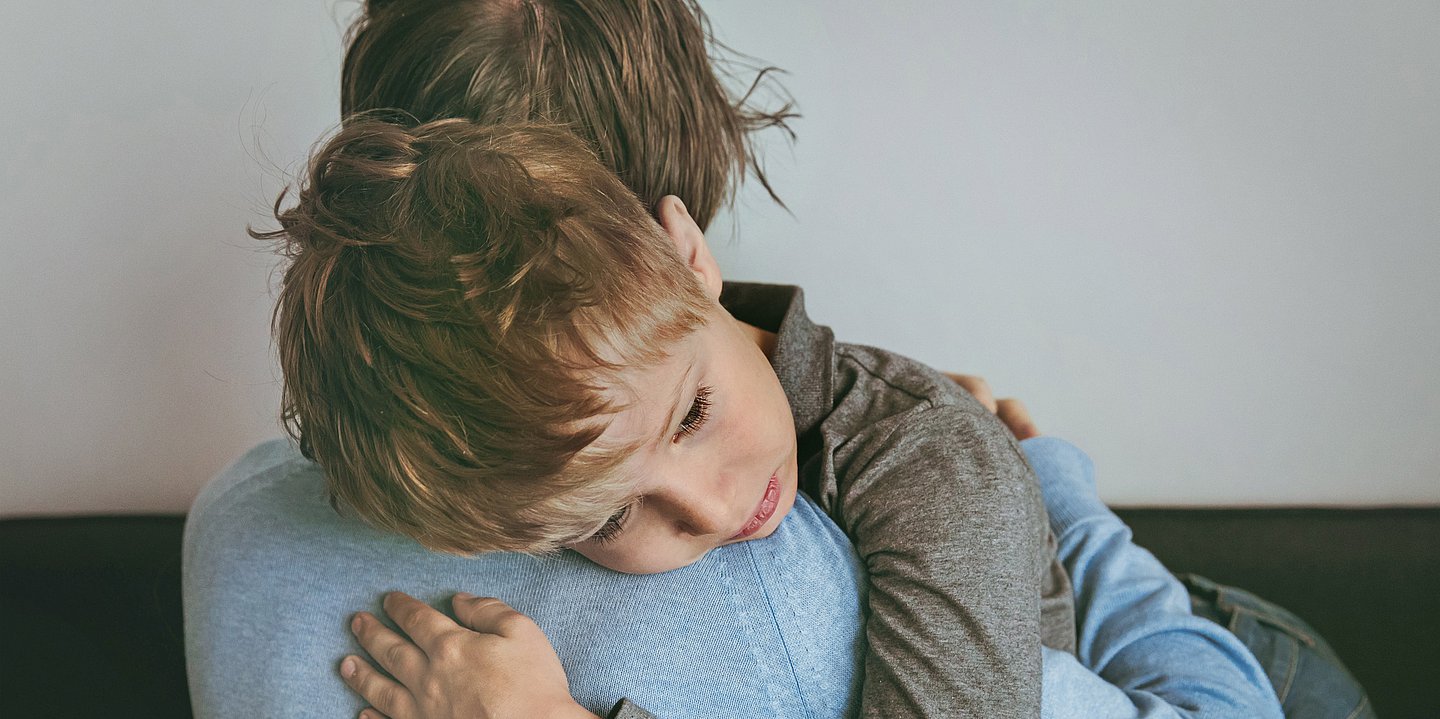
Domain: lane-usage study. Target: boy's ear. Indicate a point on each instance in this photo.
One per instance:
(690, 242)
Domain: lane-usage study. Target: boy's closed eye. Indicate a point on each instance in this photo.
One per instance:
(613, 526)
(694, 419)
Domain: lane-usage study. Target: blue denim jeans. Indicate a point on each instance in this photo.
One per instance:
(1309, 678)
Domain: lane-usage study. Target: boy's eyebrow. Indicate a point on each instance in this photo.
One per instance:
(678, 404)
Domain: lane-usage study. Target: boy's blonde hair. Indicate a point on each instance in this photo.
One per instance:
(459, 298)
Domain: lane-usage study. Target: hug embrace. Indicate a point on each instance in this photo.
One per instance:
(545, 462)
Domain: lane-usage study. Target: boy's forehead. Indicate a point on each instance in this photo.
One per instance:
(648, 396)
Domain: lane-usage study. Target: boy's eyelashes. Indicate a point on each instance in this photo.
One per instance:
(613, 525)
(695, 418)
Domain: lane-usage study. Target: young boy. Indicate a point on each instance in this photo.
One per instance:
(488, 344)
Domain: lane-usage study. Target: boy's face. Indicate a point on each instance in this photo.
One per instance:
(717, 463)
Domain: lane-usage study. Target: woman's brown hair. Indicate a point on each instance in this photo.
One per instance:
(634, 78)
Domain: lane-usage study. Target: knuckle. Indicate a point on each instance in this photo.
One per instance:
(448, 647)
(478, 607)
(386, 698)
(393, 656)
(512, 622)
(432, 692)
(370, 685)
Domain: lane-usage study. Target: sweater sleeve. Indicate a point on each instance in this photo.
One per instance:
(1140, 653)
(626, 709)
(953, 624)
(948, 520)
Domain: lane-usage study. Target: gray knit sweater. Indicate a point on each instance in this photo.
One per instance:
(943, 510)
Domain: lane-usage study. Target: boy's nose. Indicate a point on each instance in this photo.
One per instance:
(705, 525)
(705, 509)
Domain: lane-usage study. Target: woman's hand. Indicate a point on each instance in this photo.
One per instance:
(1013, 413)
(976, 386)
(1010, 411)
(499, 665)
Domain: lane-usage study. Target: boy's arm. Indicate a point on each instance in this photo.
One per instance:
(949, 522)
(1141, 653)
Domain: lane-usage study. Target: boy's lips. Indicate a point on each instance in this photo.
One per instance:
(764, 510)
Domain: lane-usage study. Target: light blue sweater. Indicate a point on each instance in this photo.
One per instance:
(767, 628)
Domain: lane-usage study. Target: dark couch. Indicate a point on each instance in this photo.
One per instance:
(92, 625)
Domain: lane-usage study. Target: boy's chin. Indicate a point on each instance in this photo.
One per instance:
(670, 566)
(658, 568)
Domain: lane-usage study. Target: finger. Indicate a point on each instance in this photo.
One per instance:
(977, 387)
(425, 624)
(381, 692)
(395, 653)
(490, 615)
(1016, 417)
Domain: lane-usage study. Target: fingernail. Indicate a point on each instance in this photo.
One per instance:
(355, 623)
(347, 667)
(464, 596)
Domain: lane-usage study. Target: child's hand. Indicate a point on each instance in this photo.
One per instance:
(503, 669)
(1010, 411)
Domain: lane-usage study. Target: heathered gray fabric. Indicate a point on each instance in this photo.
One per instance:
(626, 709)
(944, 512)
(1057, 600)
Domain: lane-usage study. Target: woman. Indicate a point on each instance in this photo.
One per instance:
(635, 81)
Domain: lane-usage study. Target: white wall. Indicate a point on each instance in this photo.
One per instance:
(1200, 239)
